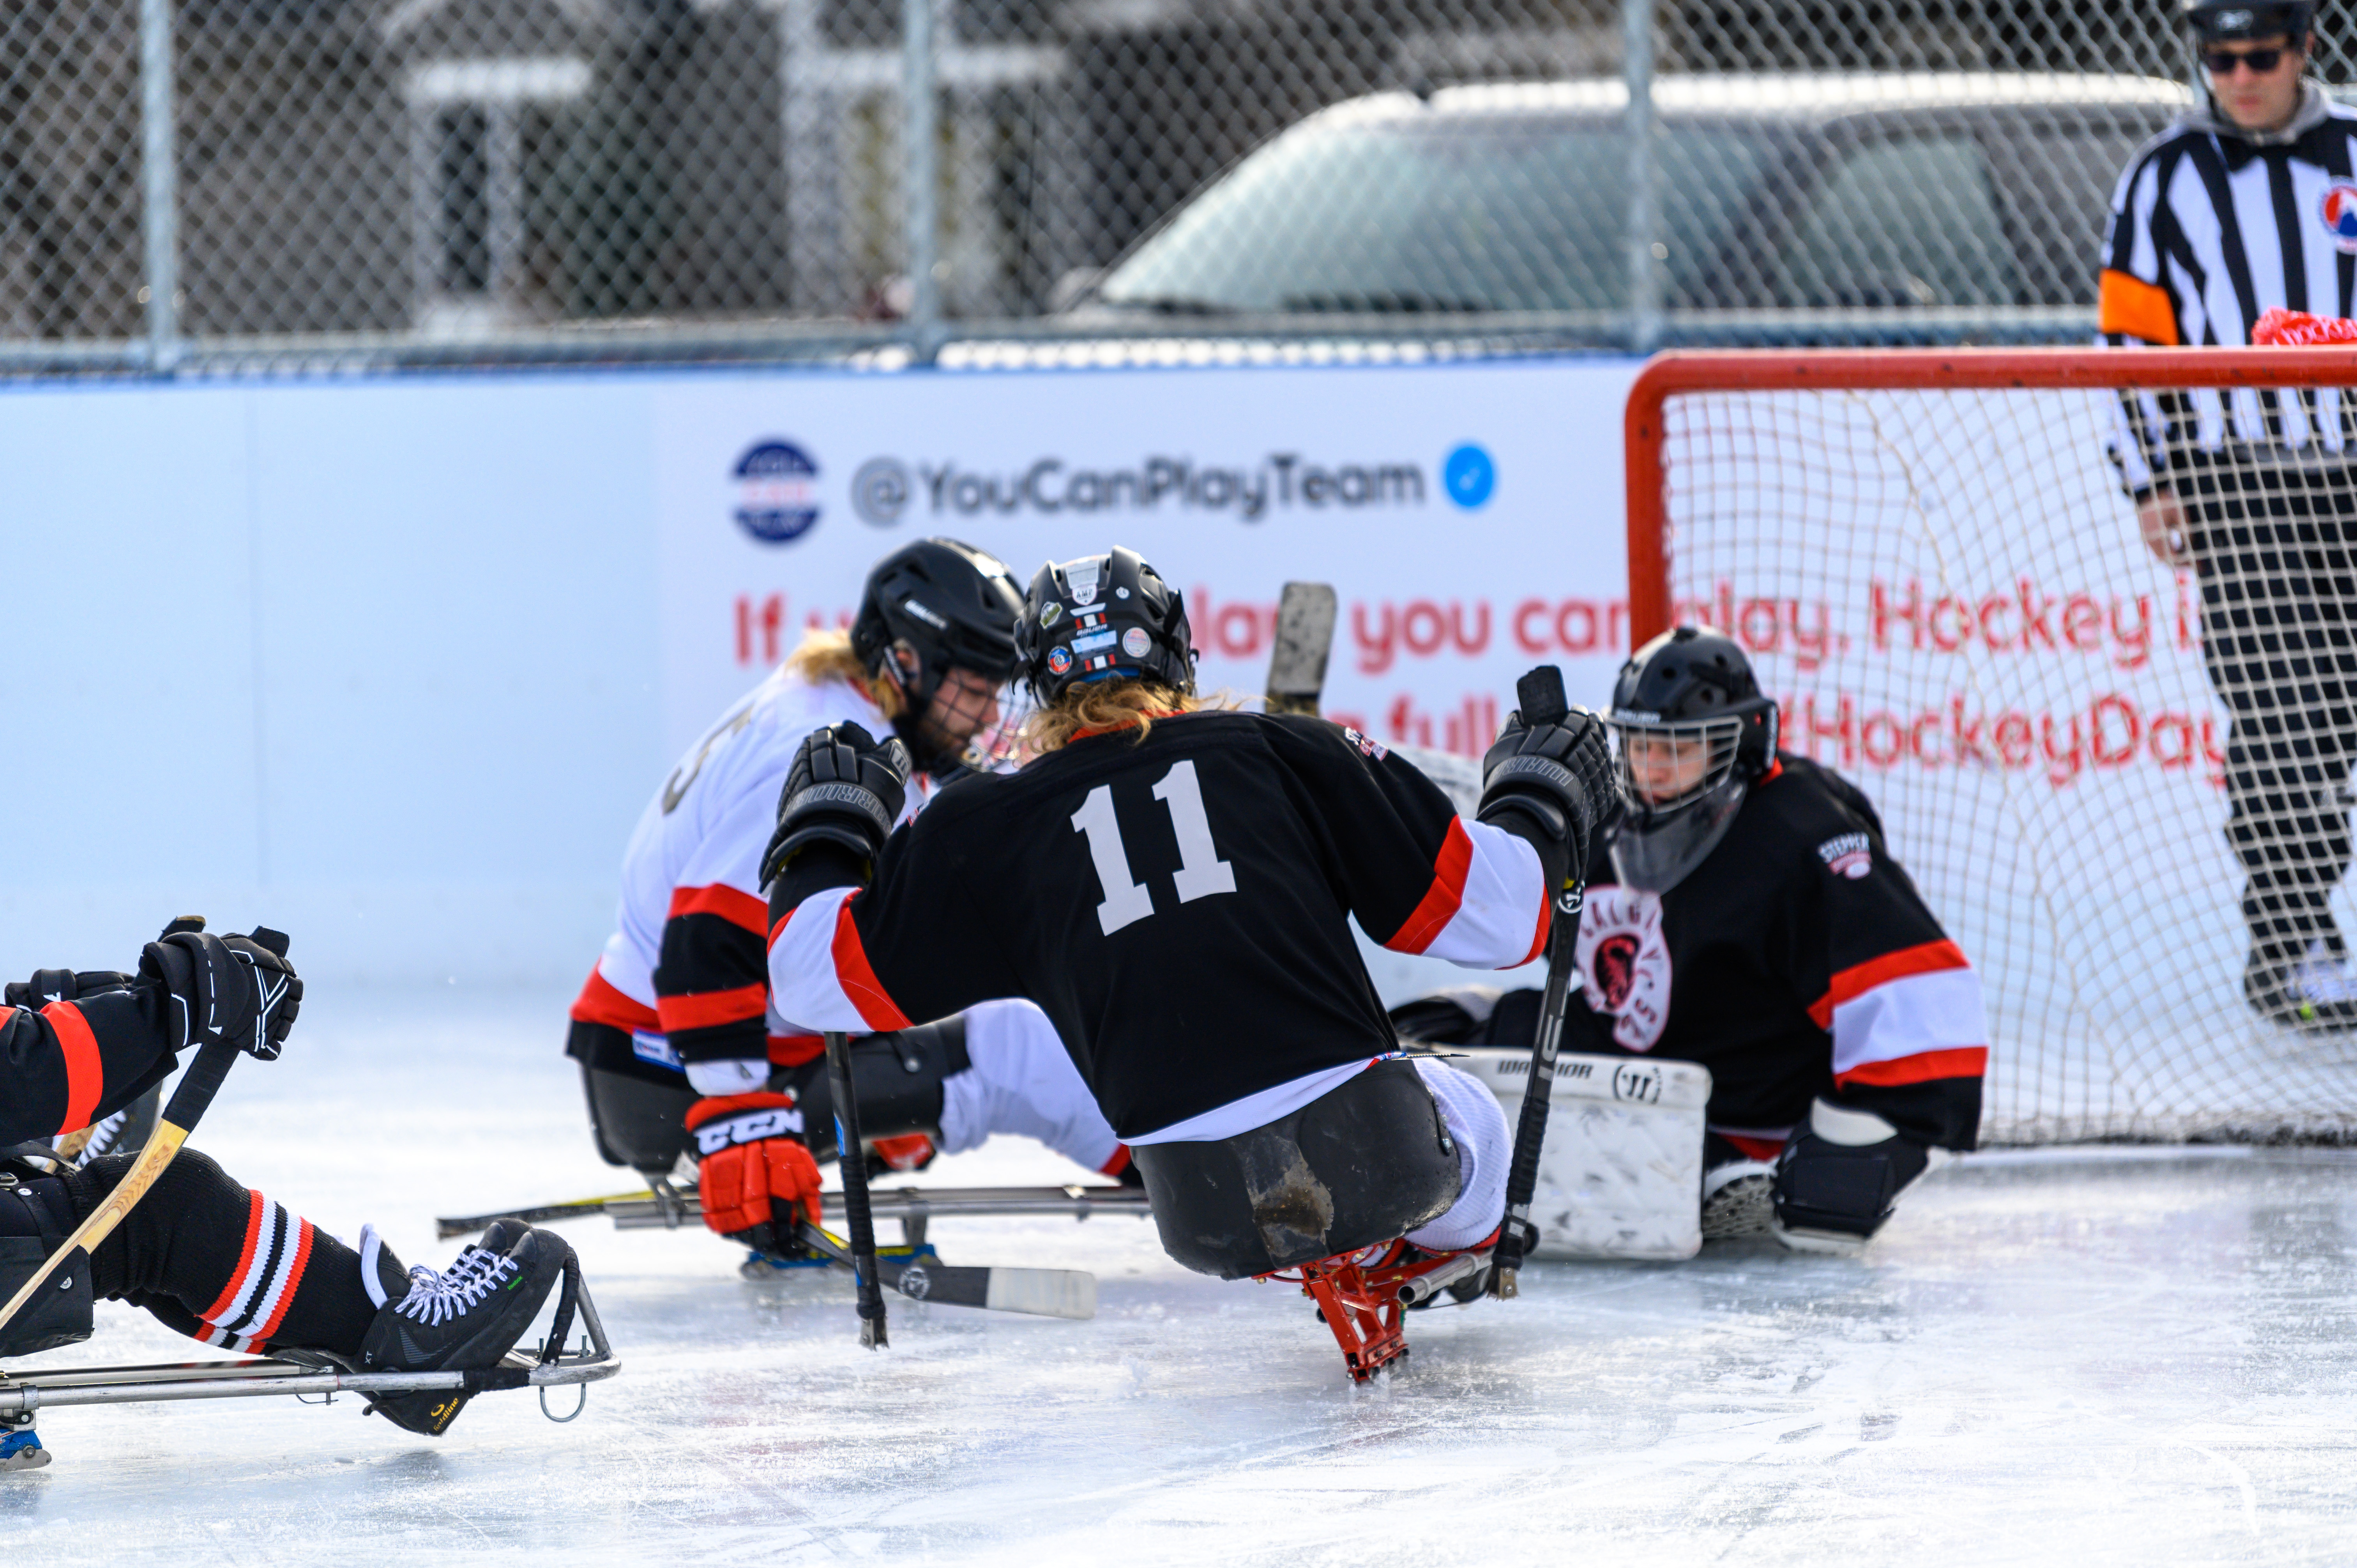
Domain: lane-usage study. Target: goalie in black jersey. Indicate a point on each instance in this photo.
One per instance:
(1173, 886)
(207, 1257)
(1745, 914)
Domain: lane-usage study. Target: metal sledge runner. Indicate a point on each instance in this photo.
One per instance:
(308, 1374)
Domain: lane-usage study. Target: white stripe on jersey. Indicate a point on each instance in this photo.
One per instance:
(273, 1254)
(802, 981)
(1503, 898)
(1937, 1010)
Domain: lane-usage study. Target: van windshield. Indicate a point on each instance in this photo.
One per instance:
(1496, 213)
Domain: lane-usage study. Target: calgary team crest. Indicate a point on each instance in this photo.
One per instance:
(1624, 963)
(2340, 210)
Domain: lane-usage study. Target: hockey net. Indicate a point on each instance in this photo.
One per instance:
(1935, 568)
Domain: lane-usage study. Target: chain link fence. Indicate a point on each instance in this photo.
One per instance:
(186, 183)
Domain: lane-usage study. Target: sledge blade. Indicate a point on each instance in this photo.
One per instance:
(1304, 635)
(1043, 1293)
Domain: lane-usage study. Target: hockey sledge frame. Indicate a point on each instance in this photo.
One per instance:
(24, 1394)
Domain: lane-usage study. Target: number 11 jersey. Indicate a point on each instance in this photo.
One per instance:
(1178, 907)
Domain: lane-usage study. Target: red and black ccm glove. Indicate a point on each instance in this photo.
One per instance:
(753, 1171)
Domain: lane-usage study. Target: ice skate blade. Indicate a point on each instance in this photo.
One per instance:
(1819, 1243)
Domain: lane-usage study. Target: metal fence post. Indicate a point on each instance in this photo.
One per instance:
(921, 175)
(159, 187)
(1645, 262)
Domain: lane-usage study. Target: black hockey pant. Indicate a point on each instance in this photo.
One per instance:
(2272, 542)
(207, 1257)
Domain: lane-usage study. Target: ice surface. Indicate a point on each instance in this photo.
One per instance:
(2067, 1358)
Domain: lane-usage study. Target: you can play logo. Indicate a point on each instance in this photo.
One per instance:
(776, 492)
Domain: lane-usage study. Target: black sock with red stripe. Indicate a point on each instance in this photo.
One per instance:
(226, 1265)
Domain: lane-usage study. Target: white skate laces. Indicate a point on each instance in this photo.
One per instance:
(436, 1296)
(102, 1137)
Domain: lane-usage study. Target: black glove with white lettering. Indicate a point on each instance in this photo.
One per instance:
(847, 788)
(1552, 785)
(237, 989)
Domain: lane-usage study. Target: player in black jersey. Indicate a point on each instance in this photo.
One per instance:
(207, 1257)
(1745, 914)
(1173, 886)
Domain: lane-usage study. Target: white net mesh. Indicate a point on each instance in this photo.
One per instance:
(1948, 592)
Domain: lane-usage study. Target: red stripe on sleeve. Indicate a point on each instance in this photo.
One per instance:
(858, 981)
(1929, 958)
(737, 907)
(85, 1069)
(254, 1215)
(1547, 926)
(601, 1003)
(293, 1282)
(707, 1009)
(1924, 1067)
(792, 1050)
(1442, 900)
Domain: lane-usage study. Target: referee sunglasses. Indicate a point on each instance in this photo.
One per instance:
(2221, 62)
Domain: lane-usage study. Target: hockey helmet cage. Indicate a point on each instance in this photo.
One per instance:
(933, 605)
(2232, 21)
(1102, 616)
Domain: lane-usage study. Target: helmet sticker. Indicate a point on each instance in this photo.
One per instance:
(1059, 659)
(1134, 642)
(1049, 612)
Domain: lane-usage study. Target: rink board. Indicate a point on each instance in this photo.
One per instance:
(1620, 1172)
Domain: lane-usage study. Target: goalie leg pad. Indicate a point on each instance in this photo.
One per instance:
(1839, 1181)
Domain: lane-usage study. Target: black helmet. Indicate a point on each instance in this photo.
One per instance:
(2231, 21)
(934, 605)
(1687, 700)
(1100, 616)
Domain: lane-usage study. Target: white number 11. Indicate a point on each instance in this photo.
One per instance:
(1201, 873)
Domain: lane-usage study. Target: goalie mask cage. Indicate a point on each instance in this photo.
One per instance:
(1938, 571)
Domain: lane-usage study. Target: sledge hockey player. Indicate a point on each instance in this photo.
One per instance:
(675, 1031)
(2239, 210)
(1173, 886)
(205, 1256)
(1745, 913)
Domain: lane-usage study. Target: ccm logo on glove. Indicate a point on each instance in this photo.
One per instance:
(750, 1128)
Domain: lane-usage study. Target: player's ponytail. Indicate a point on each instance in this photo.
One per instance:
(1093, 706)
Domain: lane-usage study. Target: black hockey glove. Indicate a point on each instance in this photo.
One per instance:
(1550, 784)
(49, 985)
(1833, 1197)
(238, 989)
(847, 788)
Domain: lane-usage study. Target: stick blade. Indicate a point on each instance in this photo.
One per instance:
(1044, 1293)
(1306, 613)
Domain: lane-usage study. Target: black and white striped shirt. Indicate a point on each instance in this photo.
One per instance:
(2210, 229)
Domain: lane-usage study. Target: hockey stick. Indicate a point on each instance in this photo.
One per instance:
(1040, 1293)
(1297, 657)
(646, 1211)
(195, 1091)
(1540, 696)
(851, 1157)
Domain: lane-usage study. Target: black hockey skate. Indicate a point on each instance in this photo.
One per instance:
(464, 1318)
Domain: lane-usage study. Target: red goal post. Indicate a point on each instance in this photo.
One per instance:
(1934, 561)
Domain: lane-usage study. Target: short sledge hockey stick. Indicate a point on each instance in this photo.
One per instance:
(1540, 696)
(852, 1160)
(1040, 1293)
(195, 1091)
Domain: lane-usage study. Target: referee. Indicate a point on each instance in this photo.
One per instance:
(2245, 203)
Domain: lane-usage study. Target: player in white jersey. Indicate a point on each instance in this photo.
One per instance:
(676, 1032)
